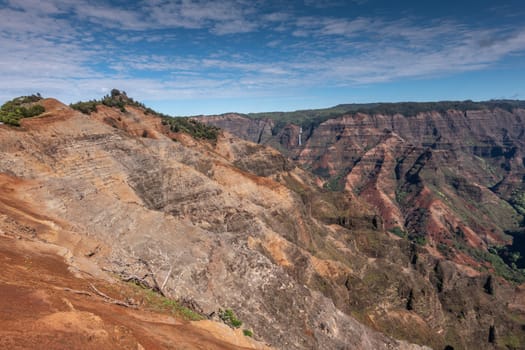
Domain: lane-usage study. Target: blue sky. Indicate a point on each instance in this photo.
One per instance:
(187, 57)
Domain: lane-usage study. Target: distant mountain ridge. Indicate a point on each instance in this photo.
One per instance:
(307, 117)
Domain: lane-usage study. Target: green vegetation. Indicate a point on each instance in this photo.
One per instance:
(157, 302)
(398, 231)
(446, 250)
(492, 256)
(117, 99)
(85, 107)
(335, 184)
(420, 240)
(511, 342)
(517, 200)
(401, 195)
(227, 316)
(247, 333)
(21, 107)
(192, 127)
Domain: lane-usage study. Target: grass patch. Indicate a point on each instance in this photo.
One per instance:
(247, 333)
(156, 302)
(511, 342)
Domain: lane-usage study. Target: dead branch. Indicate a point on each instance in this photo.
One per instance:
(140, 281)
(167, 277)
(156, 286)
(137, 280)
(111, 300)
(82, 292)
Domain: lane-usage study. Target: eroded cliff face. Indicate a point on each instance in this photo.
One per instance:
(221, 225)
(449, 185)
(473, 160)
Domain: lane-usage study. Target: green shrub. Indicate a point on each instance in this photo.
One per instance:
(85, 107)
(446, 250)
(247, 333)
(21, 107)
(420, 240)
(156, 302)
(192, 127)
(227, 316)
(398, 232)
(517, 200)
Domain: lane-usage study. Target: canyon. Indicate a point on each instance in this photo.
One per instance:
(376, 231)
(448, 177)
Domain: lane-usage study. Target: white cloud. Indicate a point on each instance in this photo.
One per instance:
(216, 16)
(111, 17)
(76, 58)
(40, 7)
(274, 43)
(326, 3)
(276, 17)
(234, 27)
(220, 17)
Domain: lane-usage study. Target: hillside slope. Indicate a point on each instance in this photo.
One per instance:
(217, 225)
